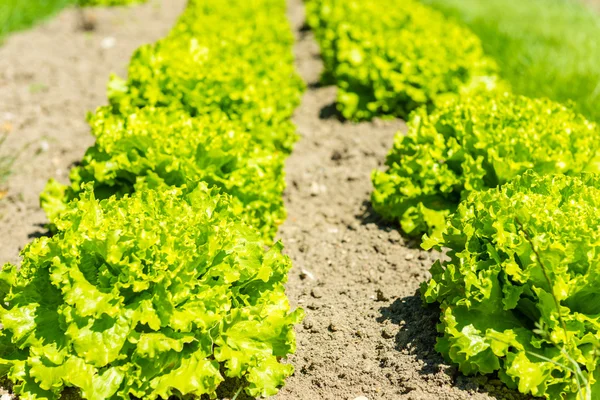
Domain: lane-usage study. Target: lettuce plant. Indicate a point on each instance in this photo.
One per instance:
(518, 291)
(158, 145)
(161, 293)
(476, 143)
(157, 283)
(214, 60)
(389, 57)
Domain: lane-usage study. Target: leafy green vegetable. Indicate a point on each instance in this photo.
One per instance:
(234, 58)
(154, 286)
(211, 102)
(475, 143)
(389, 57)
(158, 145)
(544, 48)
(519, 289)
(161, 293)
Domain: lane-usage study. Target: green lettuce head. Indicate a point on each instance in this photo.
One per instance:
(390, 57)
(476, 143)
(156, 146)
(161, 293)
(215, 61)
(519, 288)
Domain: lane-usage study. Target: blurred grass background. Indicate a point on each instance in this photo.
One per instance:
(547, 48)
(22, 14)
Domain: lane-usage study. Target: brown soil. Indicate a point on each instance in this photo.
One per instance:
(594, 4)
(366, 332)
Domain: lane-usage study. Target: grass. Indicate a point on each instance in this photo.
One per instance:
(22, 14)
(545, 48)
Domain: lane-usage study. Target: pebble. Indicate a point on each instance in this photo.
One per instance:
(336, 155)
(108, 42)
(387, 333)
(9, 117)
(361, 398)
(381, 296)
(316, 293)
(317, 189)
(44, 146)
(306, 274)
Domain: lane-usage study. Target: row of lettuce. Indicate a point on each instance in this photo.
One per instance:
(158, 281)
(505, 183)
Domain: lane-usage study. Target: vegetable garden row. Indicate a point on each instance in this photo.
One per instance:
(163, 277)
(506, 183)
(157, 281)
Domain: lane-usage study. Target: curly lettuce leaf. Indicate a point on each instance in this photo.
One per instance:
(390, 58)
(476, 143)
(164, 292)
(518, 292)
(159, 146)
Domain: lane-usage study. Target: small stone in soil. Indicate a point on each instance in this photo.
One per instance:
(387, 333)
(316, 293)
(336, 155)
(44, 146)
(381, 296)
(306, 274)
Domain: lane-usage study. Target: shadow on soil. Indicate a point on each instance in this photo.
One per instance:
(330, 111)
(42, 231)
(417, 335)
(369, 216)
(417, 330)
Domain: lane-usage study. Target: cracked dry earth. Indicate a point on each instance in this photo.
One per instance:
(366, 332)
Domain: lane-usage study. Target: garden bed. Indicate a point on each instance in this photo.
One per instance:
(366, 332)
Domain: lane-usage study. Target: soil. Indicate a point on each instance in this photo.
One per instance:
(594, 4)
(366, 334)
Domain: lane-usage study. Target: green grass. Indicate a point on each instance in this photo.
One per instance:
(545, 48)
(22, 14)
